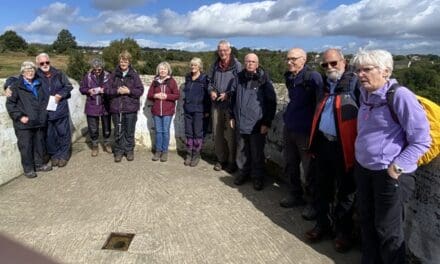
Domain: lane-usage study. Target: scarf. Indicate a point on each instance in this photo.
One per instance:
(32, 87)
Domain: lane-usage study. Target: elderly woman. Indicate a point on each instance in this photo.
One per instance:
(124, 88)
(163, 93)
(386, 150)
(96, 107)
(196, 106)
(27, 108)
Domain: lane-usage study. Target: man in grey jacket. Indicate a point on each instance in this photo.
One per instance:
(223, 71)
(253, 108)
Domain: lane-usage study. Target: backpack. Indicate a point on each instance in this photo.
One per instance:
(432, 111)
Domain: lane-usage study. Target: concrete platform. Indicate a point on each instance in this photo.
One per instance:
(178, 215)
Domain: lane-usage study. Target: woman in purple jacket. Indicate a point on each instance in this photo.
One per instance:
(96, 107)
(164, 93)
(124, 88)
(387, 149)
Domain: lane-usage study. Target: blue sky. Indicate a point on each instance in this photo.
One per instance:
(400, 26)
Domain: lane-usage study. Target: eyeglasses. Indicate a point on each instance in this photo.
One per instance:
(367, 69)
(44, 63)
(292, 59)
(331, 63)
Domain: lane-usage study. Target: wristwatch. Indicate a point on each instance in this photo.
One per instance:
(397, 169)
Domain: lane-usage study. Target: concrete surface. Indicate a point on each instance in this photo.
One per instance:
(178, 214)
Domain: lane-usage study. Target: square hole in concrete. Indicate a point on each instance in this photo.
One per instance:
(118, 241)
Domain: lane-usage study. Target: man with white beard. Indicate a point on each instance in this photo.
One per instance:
(332, 143)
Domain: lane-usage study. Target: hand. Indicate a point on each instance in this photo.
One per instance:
(58, 98)
(264, 129)
(222, 97)
(123, 90)
(24, 119)
(232, 123)
(206, 115)
(393, 174)
(8, 92)
(213, 95)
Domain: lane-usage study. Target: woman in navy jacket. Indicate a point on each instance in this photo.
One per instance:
(27, 108)
(196, 106)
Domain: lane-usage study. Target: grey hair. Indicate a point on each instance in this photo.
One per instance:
(224, 42)
(198, 62)
(338, 51)
(166, 65)
(27, 65)
(97, 63)
(378, 58)
(41, 55)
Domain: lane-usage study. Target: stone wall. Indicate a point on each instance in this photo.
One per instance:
(423, 214)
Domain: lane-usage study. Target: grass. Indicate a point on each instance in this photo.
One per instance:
(10, 62)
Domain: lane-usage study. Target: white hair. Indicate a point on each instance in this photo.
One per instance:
(198, 62)
(27, 65)
(41, 55)
(381, 59)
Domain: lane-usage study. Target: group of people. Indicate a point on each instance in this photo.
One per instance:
(339, 133)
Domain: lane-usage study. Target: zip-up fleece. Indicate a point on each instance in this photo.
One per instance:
(196, 99)
(165, 107)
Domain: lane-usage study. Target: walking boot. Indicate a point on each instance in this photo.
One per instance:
(95, 151)
(164, 157)
(188, 158)
(107, 148)
(130, 156)
(195, 159)
(156, 156)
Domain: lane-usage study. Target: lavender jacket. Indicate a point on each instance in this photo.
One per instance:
(96, 105)
(381, 141)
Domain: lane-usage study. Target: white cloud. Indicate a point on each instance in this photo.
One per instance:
(51, 20)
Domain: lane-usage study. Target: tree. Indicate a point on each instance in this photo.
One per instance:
(77, 65)
(13, 42)
(111, 53)
(64, 42)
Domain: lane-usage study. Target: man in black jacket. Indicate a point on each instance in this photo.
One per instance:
(253, 108)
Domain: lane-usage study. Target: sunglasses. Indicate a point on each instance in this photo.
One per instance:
(44, 63)
(331, 63)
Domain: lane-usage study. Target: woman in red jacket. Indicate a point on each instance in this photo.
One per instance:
(164, 93)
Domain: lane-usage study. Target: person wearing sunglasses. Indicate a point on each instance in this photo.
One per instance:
(97, 105)
(332, 143)
(304, 86)
(387, 149)
(58, 86)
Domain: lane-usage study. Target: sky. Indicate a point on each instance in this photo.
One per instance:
(399, 26)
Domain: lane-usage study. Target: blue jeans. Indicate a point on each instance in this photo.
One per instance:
(162, 125)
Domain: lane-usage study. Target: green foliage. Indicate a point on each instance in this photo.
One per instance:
(12, 42)
(77, 65)
(111, 53)
(151, 60)
(32, 50)
(64, 42)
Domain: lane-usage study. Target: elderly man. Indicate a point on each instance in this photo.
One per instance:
(223, 71)
(58, 138)
(253, 107)
(332, 141)
(304, 85)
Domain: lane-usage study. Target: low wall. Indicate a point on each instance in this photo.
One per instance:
(423, 214)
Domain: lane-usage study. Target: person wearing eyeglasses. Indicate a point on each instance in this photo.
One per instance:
(387, 150)
(97, 105)
(304, 86)
(124, 89)
(253, 107)
(332, 143)
(27, 108)
(59, 135)
(223, 71)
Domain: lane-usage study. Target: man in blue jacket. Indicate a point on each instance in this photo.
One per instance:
(253, 108)
(59, 136)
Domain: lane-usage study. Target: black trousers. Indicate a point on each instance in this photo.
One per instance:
(31, 146)
(250, 154)
(93, 128)
(381, 206)
(124, 125)
(194, 125)
(59, 138)
(333, 181)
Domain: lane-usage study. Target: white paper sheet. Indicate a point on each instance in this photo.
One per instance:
(52, 105)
